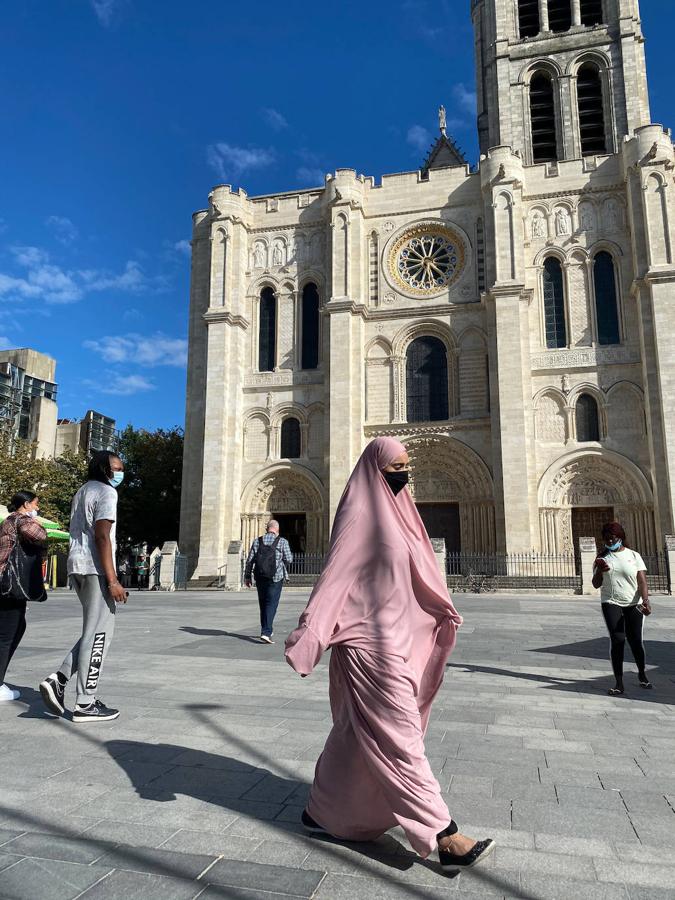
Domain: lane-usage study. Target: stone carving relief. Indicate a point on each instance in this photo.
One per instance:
(446, 471)
(591, 481)
(584, 358)
(539, 228)
(281, 379)
(612, 216)
(272, 204)
(279, 253)
(562, 222)
(550, 420)
(586, 217)
(285, 492)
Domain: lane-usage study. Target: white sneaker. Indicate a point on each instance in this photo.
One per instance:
(6, 693)
(265, 639)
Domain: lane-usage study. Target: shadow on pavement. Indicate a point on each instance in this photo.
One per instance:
(214, 632)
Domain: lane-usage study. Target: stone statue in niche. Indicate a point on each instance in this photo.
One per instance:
(538, 226)
(565, 384)
(587, 222)
(612, 215)
(562, 221)
(278, 254)
(259, 256)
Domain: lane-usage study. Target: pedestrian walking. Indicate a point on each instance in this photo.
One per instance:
(19, 527)
(620, 573)
(124, 573)
(269, 558)
(91, 568)
(142, 572)
(381, 603)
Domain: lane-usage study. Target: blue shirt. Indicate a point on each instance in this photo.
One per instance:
(283, 555)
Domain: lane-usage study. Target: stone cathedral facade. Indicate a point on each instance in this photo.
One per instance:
(513, 324)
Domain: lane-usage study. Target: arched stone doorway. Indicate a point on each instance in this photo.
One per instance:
(292, 495)
(582, 490)
(453, 490)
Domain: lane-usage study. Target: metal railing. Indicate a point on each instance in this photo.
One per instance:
(658, 576)
(480, 572)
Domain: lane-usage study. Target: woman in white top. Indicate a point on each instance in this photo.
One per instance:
(619, 572)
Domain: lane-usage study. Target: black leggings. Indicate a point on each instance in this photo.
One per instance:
(12, 628)
(624, 623)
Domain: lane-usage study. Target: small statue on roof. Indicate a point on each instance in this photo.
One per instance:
(442, 120)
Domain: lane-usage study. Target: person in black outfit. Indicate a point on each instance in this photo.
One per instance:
(20, 525)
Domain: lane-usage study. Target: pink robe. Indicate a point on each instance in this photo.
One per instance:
(382, 604)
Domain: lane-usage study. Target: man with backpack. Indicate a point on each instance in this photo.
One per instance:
(268, 558)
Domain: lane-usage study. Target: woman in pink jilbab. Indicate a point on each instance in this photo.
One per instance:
(382, 605)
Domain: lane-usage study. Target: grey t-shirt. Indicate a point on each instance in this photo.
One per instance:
(93, 502)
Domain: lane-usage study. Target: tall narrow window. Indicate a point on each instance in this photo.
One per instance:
(591, 12)
(427, 380)
(606, 307)
(554, 304)
(480, 255)
(310, 327)
(528, 18)
(267, 336)
(373, 273)
(559, 15)
(591, 110)
(587, 420)
(290, 439)
(542, 116)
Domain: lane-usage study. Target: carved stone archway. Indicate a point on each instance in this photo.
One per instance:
(281, 490)
(445, 470)
(598, 478)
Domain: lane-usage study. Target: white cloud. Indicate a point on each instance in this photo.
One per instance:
(419, 138)
(309, 176)
(144, 350)
(64, 230)
(465, 97)
(5, 343)
(274, 119)
(47, 281)
(183, 247)
(105, 10)
(231, 162)
(124, 385)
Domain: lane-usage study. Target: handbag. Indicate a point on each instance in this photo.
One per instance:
(22, 577)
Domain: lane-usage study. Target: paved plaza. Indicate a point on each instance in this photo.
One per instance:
(196, 790)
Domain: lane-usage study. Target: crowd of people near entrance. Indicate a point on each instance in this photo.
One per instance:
(380, 604)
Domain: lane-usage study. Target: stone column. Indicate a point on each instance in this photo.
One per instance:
(670, 560)
(576, 12)
(588, 551)
(543, 16)
(439, 552)
(167, 572)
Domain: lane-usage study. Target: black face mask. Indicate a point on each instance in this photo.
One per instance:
(396, 480)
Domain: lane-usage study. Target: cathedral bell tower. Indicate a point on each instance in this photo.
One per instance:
(559, 79)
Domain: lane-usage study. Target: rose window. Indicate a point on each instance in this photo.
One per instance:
(426, 259)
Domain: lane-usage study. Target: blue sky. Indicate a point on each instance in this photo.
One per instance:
(120, 115)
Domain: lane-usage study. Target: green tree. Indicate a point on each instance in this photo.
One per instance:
(149, 501)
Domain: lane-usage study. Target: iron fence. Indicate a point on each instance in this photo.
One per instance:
(154, 574)
(180, 572)
(658, 576)
(480, 572)
(305, 568)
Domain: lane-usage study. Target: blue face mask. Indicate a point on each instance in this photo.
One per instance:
(613, 547)
(116, 479)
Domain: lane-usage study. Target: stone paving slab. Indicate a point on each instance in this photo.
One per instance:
(196, 790)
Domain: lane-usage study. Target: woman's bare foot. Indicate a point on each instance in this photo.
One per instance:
(457, 844)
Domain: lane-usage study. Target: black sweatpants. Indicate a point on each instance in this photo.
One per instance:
(12, 629)
(624, 623)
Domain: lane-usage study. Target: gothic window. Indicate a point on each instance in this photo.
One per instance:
(591, 110)
(606, 307)
(591, 12)
(542, 116)
(427, 380)
(267, 336)
(290, 439)
(559, 15)
(310, 327)
(480, 255)
(587, 419)
(373, 274)
(554, 304)
(528, 18)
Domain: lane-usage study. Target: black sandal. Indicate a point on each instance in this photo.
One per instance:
(646, 684)
(616, 692)
(451, 862)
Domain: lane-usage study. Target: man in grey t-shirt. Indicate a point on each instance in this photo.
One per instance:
(91, 567)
